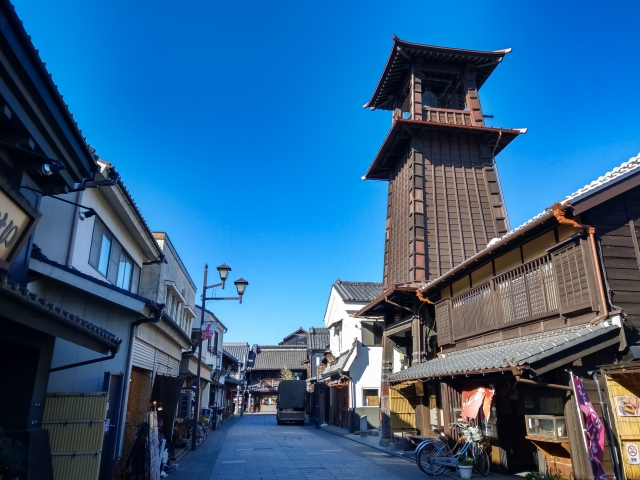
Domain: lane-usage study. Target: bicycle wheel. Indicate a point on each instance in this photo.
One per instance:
(426, 458)
(481, 463)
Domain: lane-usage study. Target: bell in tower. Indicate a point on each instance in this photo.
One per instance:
(444, 199)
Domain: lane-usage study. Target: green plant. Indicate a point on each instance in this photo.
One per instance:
(12, 454)
(550, 475)
(465, 461)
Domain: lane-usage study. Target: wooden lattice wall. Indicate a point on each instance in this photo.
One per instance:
(444, 206)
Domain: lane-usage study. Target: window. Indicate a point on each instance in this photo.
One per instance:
(109, 258)
(370, 397)
(371, 334)
(337, 332)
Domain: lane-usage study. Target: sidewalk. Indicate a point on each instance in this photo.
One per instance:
(373, 442)
(369, 440)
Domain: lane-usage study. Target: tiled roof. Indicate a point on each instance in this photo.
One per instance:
(627, 169)
(50, 85)
(229, 355)
(279, 357)
(338, 367)
(357, 291)
(520, 351)
(134, 206)
(299, 337)
(318, 338)
(12, 290)
(239, 350)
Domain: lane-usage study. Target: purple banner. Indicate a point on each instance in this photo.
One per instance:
(594, 429)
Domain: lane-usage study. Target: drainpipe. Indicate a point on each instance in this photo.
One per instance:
(559, 212)
(612, 441)
(125, 388)
(74, 227)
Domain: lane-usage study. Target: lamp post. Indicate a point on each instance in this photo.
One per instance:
(241, 285)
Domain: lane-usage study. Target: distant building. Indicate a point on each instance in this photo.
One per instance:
(263, 374)
(350, 370)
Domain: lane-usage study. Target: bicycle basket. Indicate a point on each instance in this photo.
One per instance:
(473, 433)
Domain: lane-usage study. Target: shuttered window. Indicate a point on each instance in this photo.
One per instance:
(370, 397)
(109, 258)
(371, 334)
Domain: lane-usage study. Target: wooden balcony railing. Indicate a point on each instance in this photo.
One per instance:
(558, 282)
(446, 115)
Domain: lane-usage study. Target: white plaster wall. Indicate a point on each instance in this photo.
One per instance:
(397, 363)
(366, 370)
(54, 229)
(104, 314)
(80, 260)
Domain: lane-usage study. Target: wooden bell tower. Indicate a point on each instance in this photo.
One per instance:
(445, 203)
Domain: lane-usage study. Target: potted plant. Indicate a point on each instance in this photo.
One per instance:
(465, 465)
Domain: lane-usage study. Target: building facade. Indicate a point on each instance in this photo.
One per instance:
(351, 369)
(521, 320)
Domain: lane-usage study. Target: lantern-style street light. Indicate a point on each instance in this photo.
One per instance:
(241, 285)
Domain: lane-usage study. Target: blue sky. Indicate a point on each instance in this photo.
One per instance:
(239, 127)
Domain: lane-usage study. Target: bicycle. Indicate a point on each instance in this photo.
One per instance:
(433, 456)
(201, 434)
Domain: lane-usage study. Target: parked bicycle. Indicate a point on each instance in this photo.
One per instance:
(201, 434)
(433, 456)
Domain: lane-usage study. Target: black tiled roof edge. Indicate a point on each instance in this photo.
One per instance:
(48, 79)
(232, 357)
(36, 253)
(134, 205)
(41, 304)
(282, 347)
(357, 291)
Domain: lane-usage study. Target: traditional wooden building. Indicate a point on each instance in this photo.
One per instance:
(552, 298)
(516, 315)
(445, 203)
(42, 153)
(264, 367)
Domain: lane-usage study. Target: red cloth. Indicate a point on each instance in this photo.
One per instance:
(472, 400)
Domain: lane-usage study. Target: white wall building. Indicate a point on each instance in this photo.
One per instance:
(360, 339)
(92, 267)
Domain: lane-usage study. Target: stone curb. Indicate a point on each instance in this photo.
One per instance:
(382, 449)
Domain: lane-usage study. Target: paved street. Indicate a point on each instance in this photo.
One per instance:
(255, 447)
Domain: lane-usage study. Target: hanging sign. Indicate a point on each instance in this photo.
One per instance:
(207, 331)
(594, 430)
(472, 400)
(17, 221)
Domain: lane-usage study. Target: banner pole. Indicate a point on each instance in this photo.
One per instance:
(582, 428)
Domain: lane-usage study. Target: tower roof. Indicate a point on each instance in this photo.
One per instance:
(447, 59)
(404, 129)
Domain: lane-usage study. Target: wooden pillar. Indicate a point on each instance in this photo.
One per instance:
(416, 92)
(471, 96)
(385, 404)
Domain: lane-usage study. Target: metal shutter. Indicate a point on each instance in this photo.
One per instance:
(144, 355)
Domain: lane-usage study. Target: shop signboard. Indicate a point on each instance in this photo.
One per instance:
(627, 406)
(18, 218)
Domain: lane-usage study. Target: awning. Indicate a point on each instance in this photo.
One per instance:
(541, 352)
(21, 305)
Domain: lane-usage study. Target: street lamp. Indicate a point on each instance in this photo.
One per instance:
(241, 285)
